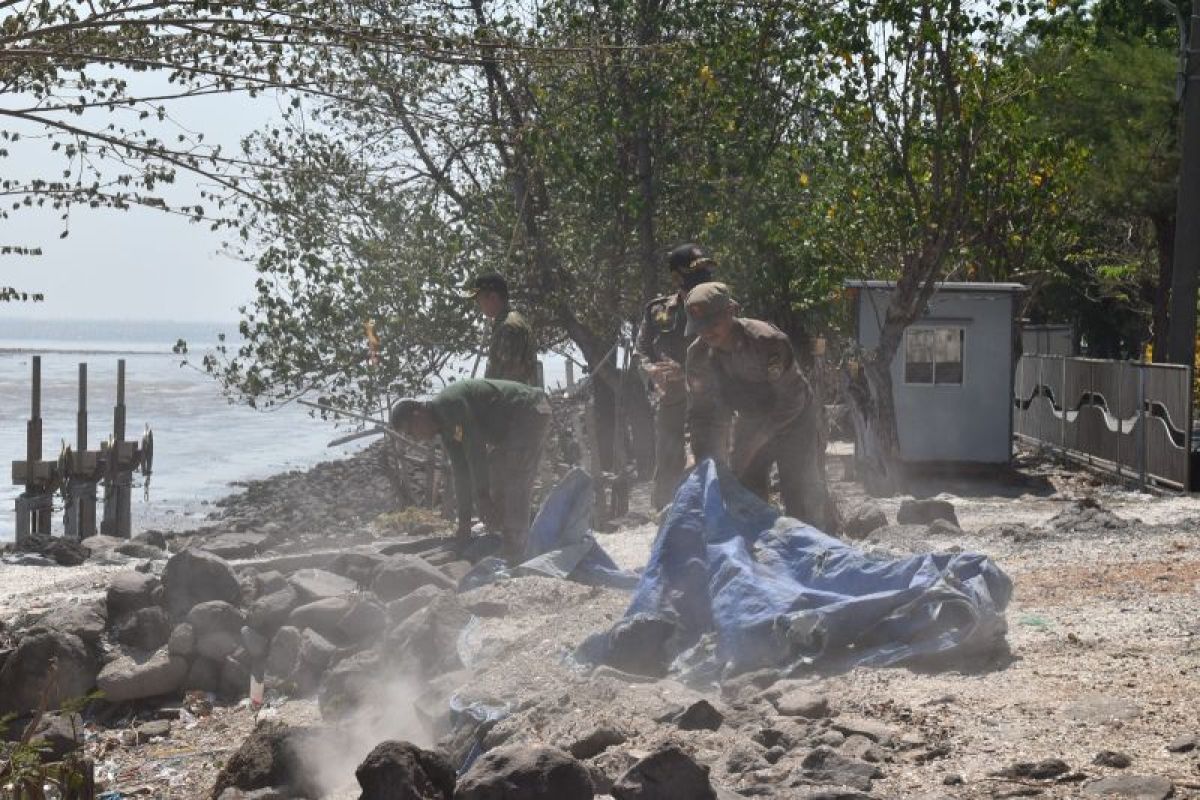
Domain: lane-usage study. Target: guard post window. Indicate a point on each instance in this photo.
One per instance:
(933, 355)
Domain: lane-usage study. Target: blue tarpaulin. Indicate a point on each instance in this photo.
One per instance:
(746, 588)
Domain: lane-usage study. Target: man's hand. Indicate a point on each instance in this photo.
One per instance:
(664, 373)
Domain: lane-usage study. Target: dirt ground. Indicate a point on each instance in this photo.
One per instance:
(1104, 642)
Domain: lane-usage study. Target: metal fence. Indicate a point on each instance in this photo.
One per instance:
(1131, 418)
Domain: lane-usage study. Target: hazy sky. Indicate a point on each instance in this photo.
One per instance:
(137, 264)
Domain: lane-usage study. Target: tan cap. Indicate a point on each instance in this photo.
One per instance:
(705, 304)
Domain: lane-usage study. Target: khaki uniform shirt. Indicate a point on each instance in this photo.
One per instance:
(758, 378)
(512, 352)
(661, 336)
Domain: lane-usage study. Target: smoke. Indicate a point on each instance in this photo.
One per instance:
(337, 749)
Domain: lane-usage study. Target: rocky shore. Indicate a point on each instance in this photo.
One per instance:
(381, 679)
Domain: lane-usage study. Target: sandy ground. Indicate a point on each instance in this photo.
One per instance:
(1103, 632)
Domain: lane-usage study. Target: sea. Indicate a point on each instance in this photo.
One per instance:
(203, 444)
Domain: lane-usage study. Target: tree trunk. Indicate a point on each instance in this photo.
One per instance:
(1164, 235)
(876, 440)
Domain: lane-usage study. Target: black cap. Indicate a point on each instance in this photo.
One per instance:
(489, 282)
(403, 410)
(689, 258)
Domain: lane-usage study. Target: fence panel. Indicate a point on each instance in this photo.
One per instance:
(1129, 417)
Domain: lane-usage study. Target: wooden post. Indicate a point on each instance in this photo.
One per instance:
(35, 505)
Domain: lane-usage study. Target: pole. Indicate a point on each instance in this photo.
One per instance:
(1181, 339)
(81, 417)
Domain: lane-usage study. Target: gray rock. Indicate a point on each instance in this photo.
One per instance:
(130, 591)
(144, 629)
(272, 756)
(400, 575)
(358, 567)
(366, 618)
(217, 644)
(195, 576)
(318, 584)
(283, 659)
(1136, 787)
(136, 675)
(863, 749)
(744, 758)
(411, 603)
(323, 616)
(271, 611)
(315, 650)
(637, 644)
(597, 742)
(1112, 758)
(667, 774)
(257, 645)
(426, 644)
(85, 620)
(349, 684)
(524, 772)
(402, 771)
(58, 735)
(156, 728)
(203, 675)
(861, 520)
(215, 615)
(802, 703)
(151, 538)
(829, 739)
(270, 793)
(235, 545)
(140, 550)
(24, 675)
(825, 765)
(1183, 744)
(875, 731)
(271, 581)
(182, 641)
(700, 716)
(234, 682)
(942, 527)
(923, 512)
(1037, 770)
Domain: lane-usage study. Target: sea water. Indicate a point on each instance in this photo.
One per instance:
(202, 442)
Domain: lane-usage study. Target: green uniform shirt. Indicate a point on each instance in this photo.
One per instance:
(512, 352)
(661, 336)
(473, 414)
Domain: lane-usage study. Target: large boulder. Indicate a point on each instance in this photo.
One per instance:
(317, 584)
(402, 771)
(525, 772)
(666, 774)
(351, 684)
(131, 591)
(272, 756)
(426, 644)
(236, 545)
(414, 601)
(218, 628)
(923, 512)
(365, 619)
(283, 657)
(399, 575)
(26, 676)
(638, 645)
(195, 576)
(324, 616)
(137, 675)
(861, 520)
(269, 612)
(85, 620)
(182, 641)
(144, 629)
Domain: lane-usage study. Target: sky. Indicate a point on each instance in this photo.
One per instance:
(133, 265)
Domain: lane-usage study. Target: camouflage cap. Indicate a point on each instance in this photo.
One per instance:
(705, 304)
(689, 258)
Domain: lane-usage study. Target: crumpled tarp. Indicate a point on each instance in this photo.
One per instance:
(560, 543)
(747, 588)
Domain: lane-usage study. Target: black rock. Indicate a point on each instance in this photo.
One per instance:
(131, 591)
(144, 629)
(525, 772)
(283, 657)
(270, 611)
(366, 618)
(700, 716)
(1139, 787)
(667, 774)
(182, 641)
(426, 644)
(597, 742)
(402, 771)
(1037, 770)
(323, 616)
(923, 512)
(638, 645)
(24, 676)
(350, 684)
(401, 574)
(136, 675)
(861, 520)
(195, 576)
(827, 766)
(85, 620)
(1184, 744)
(1112, 758)
(203, 675)
(273, 755)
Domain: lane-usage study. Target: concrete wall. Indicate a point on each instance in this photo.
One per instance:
(969, 422)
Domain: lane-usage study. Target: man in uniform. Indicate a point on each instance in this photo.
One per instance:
(662, 348)
(512, 352)
(746, 367)
(472, 416)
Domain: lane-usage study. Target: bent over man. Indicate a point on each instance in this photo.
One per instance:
(512, 351)
(746, 368)
(493, 432)
(662, 349)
